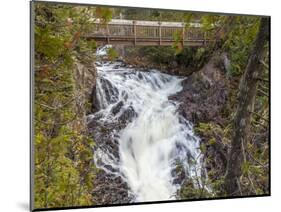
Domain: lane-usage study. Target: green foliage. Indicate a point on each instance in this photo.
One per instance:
(192, 58)
(210, 22)
(212, 131)
(177, 44)
(189, 191)
(112, 54)
(236, 32)
(64, 169)
(104, 14)
(153, 15)
(161, 54)
(240, 41)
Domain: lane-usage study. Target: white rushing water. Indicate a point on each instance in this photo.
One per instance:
(156, 140)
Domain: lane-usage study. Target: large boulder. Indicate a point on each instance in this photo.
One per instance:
(204, 94)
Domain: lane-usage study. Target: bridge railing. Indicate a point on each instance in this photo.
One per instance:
(148, 30)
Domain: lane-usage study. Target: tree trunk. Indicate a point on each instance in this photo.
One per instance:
(246, 99)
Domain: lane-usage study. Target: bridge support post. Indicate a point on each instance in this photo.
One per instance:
(160, 34)
(135, 33)
(205, 37)
(183, 34)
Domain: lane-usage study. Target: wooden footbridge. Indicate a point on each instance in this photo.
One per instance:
(148, 33)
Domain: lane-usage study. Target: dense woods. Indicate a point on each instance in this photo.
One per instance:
(229, 108)
(242, 119)
(64, 170)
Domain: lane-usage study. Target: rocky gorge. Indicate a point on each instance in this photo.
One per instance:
(202, 98)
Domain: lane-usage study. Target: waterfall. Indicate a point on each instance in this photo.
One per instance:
(153, 140)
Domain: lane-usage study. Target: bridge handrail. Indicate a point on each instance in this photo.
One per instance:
(148, 23)
(133, 30)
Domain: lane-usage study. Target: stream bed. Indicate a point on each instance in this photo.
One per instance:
(145, 148)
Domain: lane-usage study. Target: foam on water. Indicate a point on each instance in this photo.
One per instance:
(156, 139)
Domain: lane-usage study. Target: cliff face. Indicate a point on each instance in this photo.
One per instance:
(204, 94)
(85, 80)
(203, 101)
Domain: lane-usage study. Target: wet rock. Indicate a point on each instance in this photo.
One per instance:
(117, 108)
(127, 115)
(98, 64)
(116, 67)
(202, 99)
(94, 100)
(110, 189)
